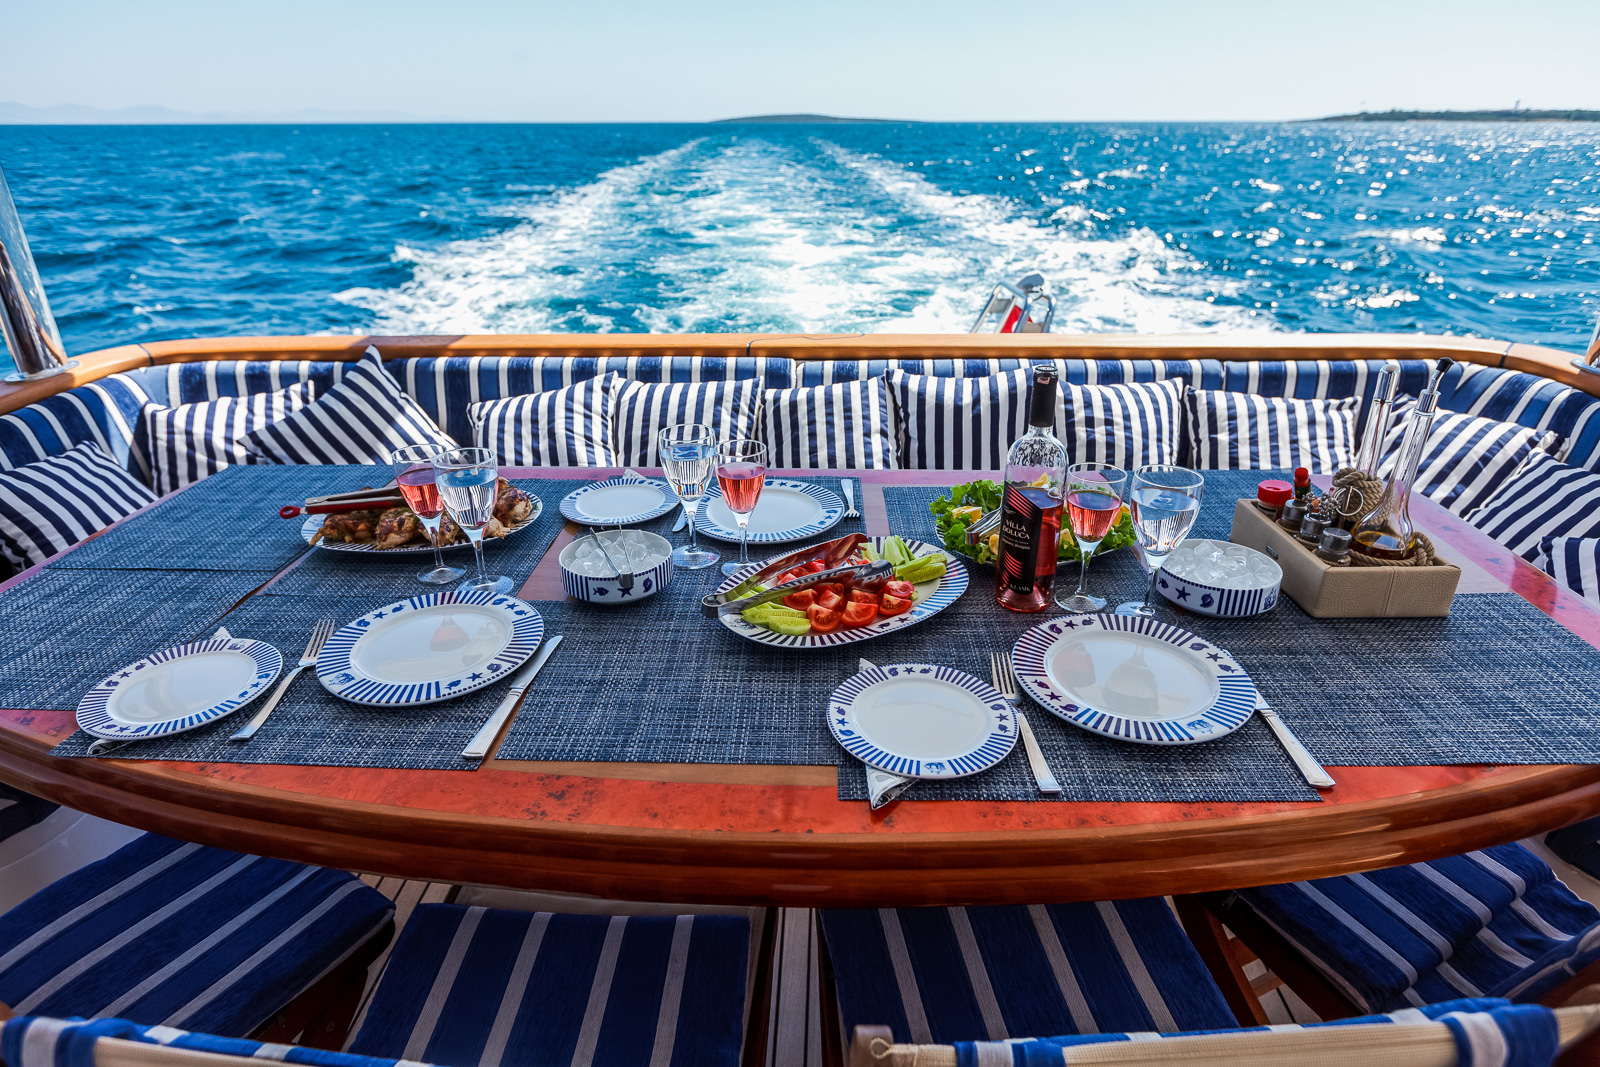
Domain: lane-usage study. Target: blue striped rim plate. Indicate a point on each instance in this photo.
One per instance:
(179, 688)
(618, 502)
(932, 598)
(787, 511)
(429, 648)
(313, 523)
(920, 720)
(1135, 679)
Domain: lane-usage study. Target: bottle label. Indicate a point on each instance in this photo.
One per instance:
(1020, 534)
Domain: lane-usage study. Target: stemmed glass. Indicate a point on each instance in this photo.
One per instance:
(1094, 500)
(741, 472)
(468, 481)
(1165, 502)
(413, 472)
(688, 452)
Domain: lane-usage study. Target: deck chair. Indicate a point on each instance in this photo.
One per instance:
(40, 1041)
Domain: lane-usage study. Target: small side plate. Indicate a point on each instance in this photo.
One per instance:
(787, 511)
(179, 688)
(618, 502)
(920, 720)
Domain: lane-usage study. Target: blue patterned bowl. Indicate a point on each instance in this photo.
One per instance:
(605, 588)
(1250, 594)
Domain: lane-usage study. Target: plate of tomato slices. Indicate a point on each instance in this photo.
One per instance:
(828, 615)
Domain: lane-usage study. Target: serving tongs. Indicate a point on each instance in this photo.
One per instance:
(384, 496)
(832, 554)
(983, 527)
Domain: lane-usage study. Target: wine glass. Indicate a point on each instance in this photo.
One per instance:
(1165, 501)
(413, 472)
(688, 452)
(741, 472)
(1094, 500)
(468, 482)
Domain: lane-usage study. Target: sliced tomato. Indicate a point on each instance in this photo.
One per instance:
(823, 620)
(830, 587)
(830, 600)
(859, 613)
(788, 576)
(816, 566)
(861, 595)
(903, 590)
(894, 605)
(801, 600)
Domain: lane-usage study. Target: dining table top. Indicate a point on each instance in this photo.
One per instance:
(780, 835)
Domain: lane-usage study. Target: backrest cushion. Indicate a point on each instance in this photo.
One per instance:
(1574, 562)
(1126, 426)
(1527, 400)
(103, 413)
(1543, 498)
(961, 424)
(1240, 431)
(570, 427)
(731, 409)
(193, 441)
(52, 504)
(848, 425)
(1467, 457)
(360, 420)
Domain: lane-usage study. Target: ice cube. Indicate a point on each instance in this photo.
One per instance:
(1209, 573)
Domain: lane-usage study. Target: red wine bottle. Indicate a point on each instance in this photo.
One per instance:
(1030, 509)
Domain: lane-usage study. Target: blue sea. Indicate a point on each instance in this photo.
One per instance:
(152, 233)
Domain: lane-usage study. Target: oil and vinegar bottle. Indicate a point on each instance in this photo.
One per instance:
(1031, 504)
(1393, 536)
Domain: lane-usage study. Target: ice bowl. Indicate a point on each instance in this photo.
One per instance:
(1220, 578)
(587, 575)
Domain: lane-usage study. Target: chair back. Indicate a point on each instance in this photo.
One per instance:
(36, 1041)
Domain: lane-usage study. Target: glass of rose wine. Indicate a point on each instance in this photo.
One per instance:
(469, 481)
(741, 472)
(1094, 500)
(413, 471)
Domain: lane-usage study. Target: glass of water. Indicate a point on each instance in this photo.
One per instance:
(1164, 501)
(468, 482)
(688, 455)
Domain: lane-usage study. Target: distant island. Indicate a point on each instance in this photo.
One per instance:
(1466, 116)
(796, 119)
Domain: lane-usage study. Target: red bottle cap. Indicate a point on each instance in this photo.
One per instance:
(1273, 493)
(1302, 476)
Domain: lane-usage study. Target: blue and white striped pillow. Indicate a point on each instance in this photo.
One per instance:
(643, 409)
(1574, 562)
(1467, 457)
(571, 427)
(362, 419)
(1243, 431)
(193, 441)
(54, 503)
(959, 424)
(1126, 426)
(847, 425)
(1544, 498)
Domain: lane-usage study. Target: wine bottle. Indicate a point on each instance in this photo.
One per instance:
(1030, 508)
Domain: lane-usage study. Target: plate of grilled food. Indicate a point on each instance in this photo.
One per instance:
(378, 520)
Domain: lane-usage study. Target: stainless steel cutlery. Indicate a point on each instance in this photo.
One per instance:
(308, 658)
(1005, 680)
(478, 747)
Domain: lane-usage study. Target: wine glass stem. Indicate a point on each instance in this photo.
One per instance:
(436, 535)
(744, 542)
(477, 553)
(691, 507)
(1150, 587)
(1086, 550)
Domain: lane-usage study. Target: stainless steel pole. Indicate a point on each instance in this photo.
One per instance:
(25, 319)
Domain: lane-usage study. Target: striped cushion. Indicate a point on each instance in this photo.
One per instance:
(470, 986)
(1544, 498)
(103, 413)
(361, 420)
(162, 931)
(1466, 458)
(53, 504)
(731, 409)
(31, 1041)
(1126, 426)
(959, 424)
(966, 974)
(571, 427)
(1574, 562)
(1240, 431)
(1528, 400)
(1495, 923)
(194, 441)
(848, 425)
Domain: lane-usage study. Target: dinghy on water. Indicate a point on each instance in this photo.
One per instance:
(1026, 307)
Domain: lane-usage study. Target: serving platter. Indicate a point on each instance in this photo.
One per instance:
(787, 511)
(618, 502)
(180, 688)
(1135, 679)
(313, 523)
(932, 598)
(921, 720)
(429, 648)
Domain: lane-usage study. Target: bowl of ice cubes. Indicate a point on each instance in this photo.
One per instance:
(590, 566)
(1220, 578)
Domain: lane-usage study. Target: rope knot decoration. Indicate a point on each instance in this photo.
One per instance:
(1351, 490)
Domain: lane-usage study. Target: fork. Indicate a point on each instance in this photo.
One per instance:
(308, 658)
(849, 488)
(1005, 680)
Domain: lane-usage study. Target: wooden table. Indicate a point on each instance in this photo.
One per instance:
(779, 835)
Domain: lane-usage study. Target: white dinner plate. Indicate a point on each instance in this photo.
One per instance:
(313, 523)
(431, 647)
(179, 688)
(920, 720)
(1134, 678)
(786, 511)
(618, 502)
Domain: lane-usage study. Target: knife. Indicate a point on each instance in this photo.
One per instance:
(683, 520)
(479, 746)
(882, 786)
(1310, 769)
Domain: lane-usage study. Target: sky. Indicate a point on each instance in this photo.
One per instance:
(637, 61)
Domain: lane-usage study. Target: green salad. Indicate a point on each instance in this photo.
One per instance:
(952, 515)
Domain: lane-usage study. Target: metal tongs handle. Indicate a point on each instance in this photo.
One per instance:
(712, 605)
(983, 527)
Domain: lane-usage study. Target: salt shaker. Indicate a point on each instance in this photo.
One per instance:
(1335, 545)
(1311, 528)
(1294, 514)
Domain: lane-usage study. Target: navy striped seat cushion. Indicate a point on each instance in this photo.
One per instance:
(163, 931)
(1467, 457)
(991, 973)
(51, 505)
(571, 427)
(362, 419)
(194, 441)
(33, 1041)
(1493, 923)
(1126, 426)
(470, 986)
(848, 425)
(1242, 431)
(1574, 562)
(1543, 498)
(643, 409)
